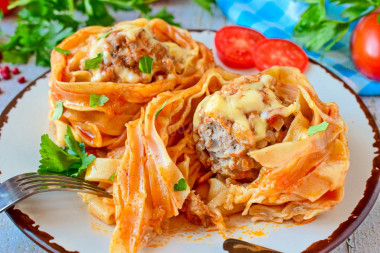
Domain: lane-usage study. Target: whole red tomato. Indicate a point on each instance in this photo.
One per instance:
(4, 6)
(365, 45)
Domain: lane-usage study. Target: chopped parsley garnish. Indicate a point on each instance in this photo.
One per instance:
(112, 177)
(62, 51)
(58, 110)
(98, 100)
(318, 128)
(94, 62)
(181, 185)
(71, 160)
(105, 35)
(145, 64)
(162, 107)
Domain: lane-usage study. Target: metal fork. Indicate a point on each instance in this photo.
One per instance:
(22, 186)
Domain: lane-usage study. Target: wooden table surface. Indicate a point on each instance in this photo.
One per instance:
(365, 239)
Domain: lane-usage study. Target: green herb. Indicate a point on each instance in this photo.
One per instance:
(94, 62)
(62, 51)
(112, 177)
(70, 161)
(1, 18)
(98, 100)
(162, 107)
(58, 110)
(163, 14)
(315, 31)
(181, 185)
(145, 64)
(42, 24)
(318, 128)
(378, 18)
(205, 4)
(105, 35)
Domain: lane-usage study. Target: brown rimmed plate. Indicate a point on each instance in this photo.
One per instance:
(59, 222)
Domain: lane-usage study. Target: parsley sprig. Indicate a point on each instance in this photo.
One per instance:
(94, 62)
(146, 64)
(112, 177)
(181, 185)
(161, 108)
(70, 161)
(98, 100)
(316, 31)
(206, 4)
(58, 110)
(318, 128)
(62, 51)
(42, 24)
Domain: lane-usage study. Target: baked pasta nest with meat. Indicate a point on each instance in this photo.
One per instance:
(230, 144)
(178, 63)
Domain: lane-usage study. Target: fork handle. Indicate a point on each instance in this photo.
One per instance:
(6, 198)
(238, 246)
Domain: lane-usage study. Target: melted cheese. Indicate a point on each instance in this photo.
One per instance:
(249, 99)
(260, 125)
(182, 56)
(126, 75)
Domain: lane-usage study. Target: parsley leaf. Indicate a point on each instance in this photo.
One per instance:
(145, 64)
(54, 159)
(318, 128)
(96, 100)
(112, 177)
(378, 19)
(62, 51)
(162, 107)
(181, 185)
(2, 33)
(105, 35)
(205, 4)
(70, 161)
(58, 110)
(42, 24)
(94, 62)
(38, 31)
(316, 31)
(163, 14)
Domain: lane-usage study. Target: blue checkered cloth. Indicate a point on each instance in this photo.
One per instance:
(276, 19)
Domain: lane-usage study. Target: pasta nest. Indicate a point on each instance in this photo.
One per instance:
(178, 63)
(294, 175)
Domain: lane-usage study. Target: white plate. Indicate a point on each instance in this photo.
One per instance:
(64, 217)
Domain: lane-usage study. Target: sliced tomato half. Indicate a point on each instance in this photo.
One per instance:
(271, 52)
(234, 46)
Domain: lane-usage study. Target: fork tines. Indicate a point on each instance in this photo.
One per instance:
(47, 182)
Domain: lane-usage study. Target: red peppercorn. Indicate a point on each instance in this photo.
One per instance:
(5, 69)
(15, 71)
(21, 80)
(6, 75)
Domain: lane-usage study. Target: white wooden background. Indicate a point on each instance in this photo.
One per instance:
(365, 239)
